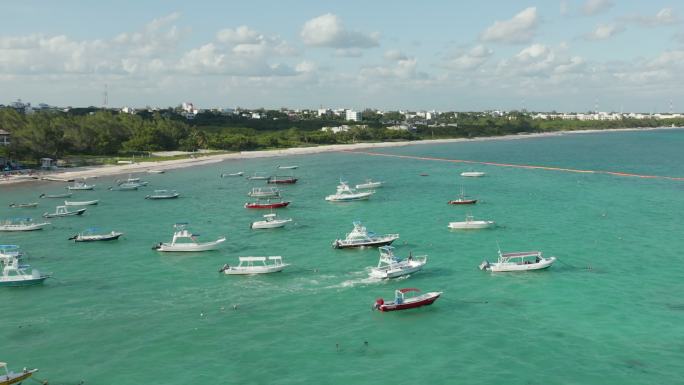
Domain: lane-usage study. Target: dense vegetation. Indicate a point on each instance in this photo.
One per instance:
(99, 132)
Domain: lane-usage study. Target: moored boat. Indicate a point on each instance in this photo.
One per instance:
(81, 203)
(282, 180)
(23, 205)
(156, 171)
(401, 302)
(255, 265)
(163, 194)
(64, 195)
(473, 174)
(14, 274)
(361, 237)
(470, 223)
(462, 199)
(225, 174)
(125, 187)
(62, 211)
(12, 378)
(21, 224)
(288, 167)
(271, 221)
(369, 183)
(268, 205)
(182, 233)
(270, 192)
(345, 193)
(81, 185)
(91, 235)
(519, 261)
(258, 176)
(390, 266)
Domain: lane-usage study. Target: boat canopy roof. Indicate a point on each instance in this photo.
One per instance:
(252, 259)
(272, 215)
(9, 247)
(521, 254)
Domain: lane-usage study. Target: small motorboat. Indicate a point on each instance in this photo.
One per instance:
(369, 184)
(255, 265)
(258, 192)
(58, 196)
(21, 224)
(361, 237)
(81, 186)
(462, 199)
(520, 261)
(163, 194)
(62, 211)
(288, 167)
(91, 235)
(470, 223)
(346, 194)
(155, 171)
(270, 222)
(125, 187)
(226, 175)
(402, 303)
(182, 233)
(10, 378)
(81, 203)
(14, 274)
(473, 174)
(391, 266)
(268, 205)
(282, 180)
(258, 176)
(23, 205)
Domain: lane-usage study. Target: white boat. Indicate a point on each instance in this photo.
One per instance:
(14, 378)
(14, 274)
(64, 195)
(369, 184)
(258, 176)
(390, 266)
(163, 194)
(288, 167)
(62, 211)
(21, 224)
(473, 174)
(81, 186)
(255, 265)
(90, 235)
(155, 171)
(520, 261)
(361, 237)
(81, 203)
(225, 174)
(23, 205)
(125, 187)
(270, 222)
(470, 223)
(345, 194)
(265, 192)
(130, 179)
(181, 233)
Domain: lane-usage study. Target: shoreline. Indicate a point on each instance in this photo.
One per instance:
(111, 170)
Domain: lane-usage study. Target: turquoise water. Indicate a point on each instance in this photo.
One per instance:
(609, 312)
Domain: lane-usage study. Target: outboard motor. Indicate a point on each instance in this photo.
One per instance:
(378, 303)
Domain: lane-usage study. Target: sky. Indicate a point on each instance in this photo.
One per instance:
(563, 55)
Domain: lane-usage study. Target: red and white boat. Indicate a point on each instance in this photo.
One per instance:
(402, 303)
(462, 200)
(266, 205)
(282, 180)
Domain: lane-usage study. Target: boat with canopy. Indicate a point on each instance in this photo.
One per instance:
(345, 193)
(21, 224)
(255, 265)
(271, 221)
(163, 194)
(184, 240)
(361, 237)
(390, 266)
(470, 224)
(462, 199)
(62, 211)
(14, 274)
(81, 185)
(519, 261)
(401, 302)
(93, 235)
(12, 378)
(266, 192)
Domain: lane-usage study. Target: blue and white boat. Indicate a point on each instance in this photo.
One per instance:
(346, 194)
(14, 274)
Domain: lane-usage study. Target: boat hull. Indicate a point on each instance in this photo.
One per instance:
(83, 203)
(513, 267)
(97, 238)
(473, 174)
(463, 202)
(474, 225)
(159, 197)
(189, 247)
(15, 378)
(34, 227)
(358, 197)
(254, 270)
(411, 303)
(396, 272)
(69, 214)
(23, 205)
(57, 196)
(269, 224)
(266, 205)
(282, 181)
(23, 282)
(341, 244)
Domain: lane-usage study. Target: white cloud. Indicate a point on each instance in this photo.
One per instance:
(665, 16)
(593, 7)
(519, 29)
(394, 54)
(604, 31)
(471, 59)
(239, 35)
(328, 31)
(348, 52)
(405, 68)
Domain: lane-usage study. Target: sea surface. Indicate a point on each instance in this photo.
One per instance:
(610, 311)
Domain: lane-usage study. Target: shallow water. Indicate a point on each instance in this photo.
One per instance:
(609, 311)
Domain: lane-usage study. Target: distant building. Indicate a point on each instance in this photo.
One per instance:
(352, 115)
(402, 127)
(324, 112)
(336, 130)
(4, 138)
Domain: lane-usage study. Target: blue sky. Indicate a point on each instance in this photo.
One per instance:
(560, 55)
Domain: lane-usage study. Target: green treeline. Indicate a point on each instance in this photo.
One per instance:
(100, 132)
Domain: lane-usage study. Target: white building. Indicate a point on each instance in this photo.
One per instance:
(352, 115)
(336, 130)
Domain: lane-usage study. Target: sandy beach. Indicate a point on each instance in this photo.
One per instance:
(109, 170)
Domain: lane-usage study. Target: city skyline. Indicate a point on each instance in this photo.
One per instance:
(560, 55)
